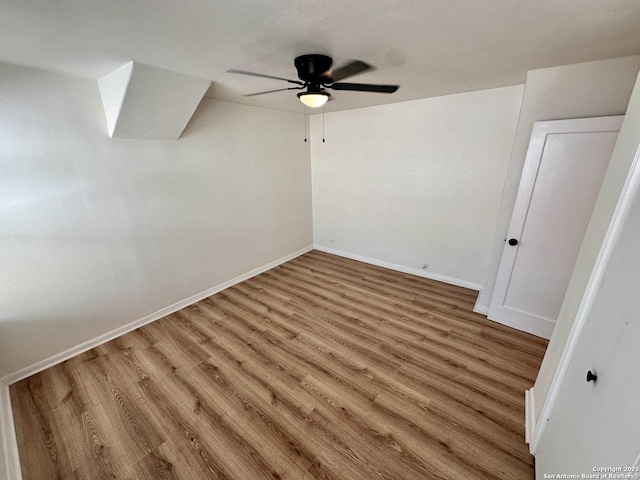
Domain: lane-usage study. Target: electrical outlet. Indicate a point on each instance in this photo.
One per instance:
(425, 266)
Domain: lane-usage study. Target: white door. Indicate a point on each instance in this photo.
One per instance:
(595, 424)
(563, 172)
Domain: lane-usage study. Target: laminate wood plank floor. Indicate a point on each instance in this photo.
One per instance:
(321, 368)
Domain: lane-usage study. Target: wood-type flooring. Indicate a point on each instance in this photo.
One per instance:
(321, 368)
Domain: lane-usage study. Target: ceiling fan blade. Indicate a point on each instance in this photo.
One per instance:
(364, 87)
(352, 68)
(272, 91)
(261, 75)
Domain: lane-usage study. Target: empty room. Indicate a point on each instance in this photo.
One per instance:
(301, 240)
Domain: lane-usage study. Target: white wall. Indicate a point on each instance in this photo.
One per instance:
(416, 182)
(572, 91)
(99, 232)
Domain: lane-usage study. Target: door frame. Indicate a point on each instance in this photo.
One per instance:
(541, 327)
(535, 431)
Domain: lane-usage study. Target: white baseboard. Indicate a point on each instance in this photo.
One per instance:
(481, 309)
(163, 312)
(529, 414)
(9, 460)
(400, 268)
(540, 327)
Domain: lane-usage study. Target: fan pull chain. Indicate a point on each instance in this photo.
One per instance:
(305, 123)
(322, 124)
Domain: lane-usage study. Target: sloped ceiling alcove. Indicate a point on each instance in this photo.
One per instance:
(141, 101)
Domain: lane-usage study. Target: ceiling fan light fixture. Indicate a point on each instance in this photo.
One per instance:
(314, 99)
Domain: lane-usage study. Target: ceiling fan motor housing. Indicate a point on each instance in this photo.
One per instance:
(312, 67)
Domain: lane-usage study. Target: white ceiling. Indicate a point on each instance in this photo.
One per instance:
(429, 47)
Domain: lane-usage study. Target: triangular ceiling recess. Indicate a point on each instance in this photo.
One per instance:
(141, 101)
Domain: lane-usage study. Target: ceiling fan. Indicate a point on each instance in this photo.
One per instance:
(315, 73)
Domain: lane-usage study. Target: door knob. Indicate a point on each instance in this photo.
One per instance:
(513, 242)
(591, 376)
